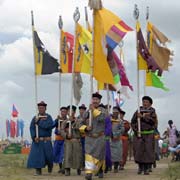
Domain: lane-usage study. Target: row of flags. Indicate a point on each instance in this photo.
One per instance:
(108, 68)
(15, 126)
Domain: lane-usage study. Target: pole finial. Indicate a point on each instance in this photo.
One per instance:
(147, 12)
(76, 15)
(32, 18)
(95, 4)
(136, 12)
(60, 22)
(86, 14)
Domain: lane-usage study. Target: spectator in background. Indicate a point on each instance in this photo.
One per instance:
(171, 132)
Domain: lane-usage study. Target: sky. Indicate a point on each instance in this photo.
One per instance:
(17, 63)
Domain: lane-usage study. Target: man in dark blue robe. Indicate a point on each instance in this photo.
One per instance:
(41, 153)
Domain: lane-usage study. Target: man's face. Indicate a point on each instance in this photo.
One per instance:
(115, 114)
(81, 111)
(96, 101)
(73, 113)
(41, 109)
(146, 103)
(121, 115)
(63, 113)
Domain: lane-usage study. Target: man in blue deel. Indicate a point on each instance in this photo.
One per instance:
(41, 153)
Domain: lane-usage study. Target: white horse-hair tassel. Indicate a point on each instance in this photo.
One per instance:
(95, 4)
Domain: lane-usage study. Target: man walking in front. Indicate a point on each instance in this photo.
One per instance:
(95, 139)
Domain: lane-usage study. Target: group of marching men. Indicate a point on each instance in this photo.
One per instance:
(94, 141)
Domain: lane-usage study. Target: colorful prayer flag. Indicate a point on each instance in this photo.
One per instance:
(66, 52)
(146, 61)
(156, 41)
(152, 79)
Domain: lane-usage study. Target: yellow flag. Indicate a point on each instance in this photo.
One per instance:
(142, 65)
(83, 50)
(101, 70)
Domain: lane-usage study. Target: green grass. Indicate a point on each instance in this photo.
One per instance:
(173, 171)
(12, 165)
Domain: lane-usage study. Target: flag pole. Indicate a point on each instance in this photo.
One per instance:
(86, 17)
(121, 55)
(136, 16)
(108, 98)
(92, 62)
(60, 25)
(92, 68)
(94, 5)
(147, 18)
(76, 17)
(35, 76)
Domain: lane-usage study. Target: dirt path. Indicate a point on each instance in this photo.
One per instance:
(130, 173)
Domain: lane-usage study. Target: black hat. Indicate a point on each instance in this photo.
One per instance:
(42, 103)
(63, 107)
(97, 95)
(82, 107)
(73, 107)
(116, 109)
(170, 122)
(102, 105)
(148, 98)
(106, 106)
(122, 112)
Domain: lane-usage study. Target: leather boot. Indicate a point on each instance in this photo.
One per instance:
(140, 168)
(116, 167)
(67, 171)
(79, 172)
(100, 173)
(38, 172)
(88, 176)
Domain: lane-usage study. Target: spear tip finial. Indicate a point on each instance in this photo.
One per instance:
(76, 15)
(60, 22)
(136, 12)
(95, 4)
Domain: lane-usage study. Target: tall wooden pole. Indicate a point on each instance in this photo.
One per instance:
(136, 16)
(60, 25)
(76, 17)
(147, 17)
(35, 75)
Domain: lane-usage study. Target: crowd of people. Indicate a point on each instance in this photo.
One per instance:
(95, 141)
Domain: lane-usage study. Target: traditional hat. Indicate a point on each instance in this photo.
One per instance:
(116, 109)
(63, 107)
(102, 105)
(122, 112)
(148, 98)
(42, 103)
(97, 95)
(170, 122)
(83, 107)
(73, 107)
(106, 106)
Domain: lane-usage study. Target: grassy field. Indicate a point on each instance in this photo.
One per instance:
(173, 171)
(13, 167)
